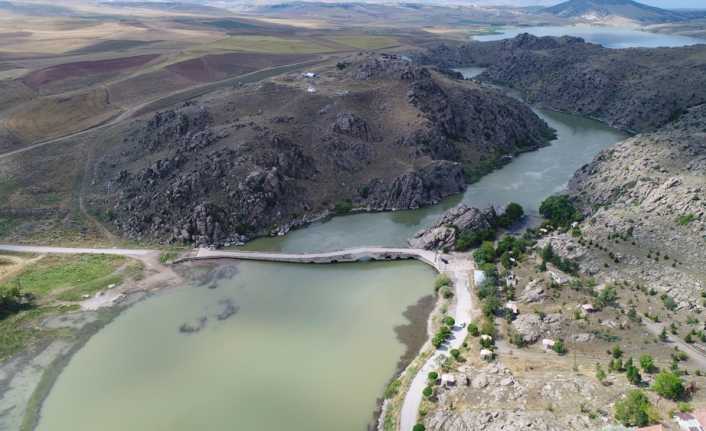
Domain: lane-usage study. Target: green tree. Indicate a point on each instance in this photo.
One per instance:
(635, 410)
(418, 427)
(449, 321)
(485, 254)
(669, 385)
(617, 352)
(633, 375)
(559, 210)
(647, 364)
(663, 335)
(473, 330)
(513, 213)
(432, 376)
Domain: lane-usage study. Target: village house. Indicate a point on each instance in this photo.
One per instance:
(486, 354)
(689, 421)
(448, 380)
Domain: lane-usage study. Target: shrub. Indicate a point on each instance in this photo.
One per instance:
(647, 364)
(343, 207)
(473, 329)
(600, 374)
(684, 407)
(448, 321)
(485, 254)
(441, 281)
(393, 388)
(685, 219)
(633, 375)
(428, 391)
(559, 347)
(616, 352)
(455, 353)
(418, 427)
(469, 239)
(432, 376)
(669, 385)
(635, 410)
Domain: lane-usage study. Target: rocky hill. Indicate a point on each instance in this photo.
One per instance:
(633, 89)
(601, 10)
(645, 201)
(374, 133)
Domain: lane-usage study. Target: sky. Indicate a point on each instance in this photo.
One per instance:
(668, 4)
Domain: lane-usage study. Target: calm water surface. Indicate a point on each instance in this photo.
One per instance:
(610, 37)
(311, 347)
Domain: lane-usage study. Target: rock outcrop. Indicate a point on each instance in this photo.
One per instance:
(261, 159)
(634, 89)
(443, 233)
(644, 204)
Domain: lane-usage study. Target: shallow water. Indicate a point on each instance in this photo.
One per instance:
(310, 348)
(610, 37)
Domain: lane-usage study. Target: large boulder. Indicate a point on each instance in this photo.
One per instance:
(443, 233)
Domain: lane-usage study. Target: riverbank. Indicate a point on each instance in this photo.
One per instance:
(76, 293)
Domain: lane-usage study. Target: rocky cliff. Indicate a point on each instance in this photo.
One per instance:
(633, 89)
(645, 202)
(373, 132)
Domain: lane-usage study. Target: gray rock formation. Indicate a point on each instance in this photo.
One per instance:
(532, 327)
(633, 89)
(443, 233)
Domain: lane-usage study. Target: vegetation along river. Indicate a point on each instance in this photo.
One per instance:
(308, 347)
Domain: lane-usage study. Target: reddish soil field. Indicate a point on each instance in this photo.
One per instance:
(216, 67)
(82, 68)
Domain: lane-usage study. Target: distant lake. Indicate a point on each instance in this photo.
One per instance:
(610, 37)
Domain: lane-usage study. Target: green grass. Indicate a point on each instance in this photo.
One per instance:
(7, 224)
(685, 219)
(19, 330)
(269, 44)
(77, 272)
(168, 256)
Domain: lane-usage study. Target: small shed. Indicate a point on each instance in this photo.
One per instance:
(486, 354)
(478, 277)
(448, 380)
(548, 343)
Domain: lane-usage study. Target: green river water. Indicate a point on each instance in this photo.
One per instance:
(311, 347)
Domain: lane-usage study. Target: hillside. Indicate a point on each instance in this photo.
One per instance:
(633, 89)
(374, 132)
(599, 10)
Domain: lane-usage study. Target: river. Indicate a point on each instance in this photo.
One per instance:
(610, 37)
(311, 347)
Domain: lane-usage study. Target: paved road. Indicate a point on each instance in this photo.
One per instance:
(459, 269)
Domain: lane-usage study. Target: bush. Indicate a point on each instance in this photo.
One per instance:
(635, 410)
(428, 391)
(633, 375)
(433, 376)
(469, 239)
(448, 321)
(441, 281)
(685, 219)
(473, 330)
(559, 210)
(647, 364)
(393, 388)
(418, 427)
(559, 347)
(343, 207)
(669, 385)
(455, 353)
(607, 297)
